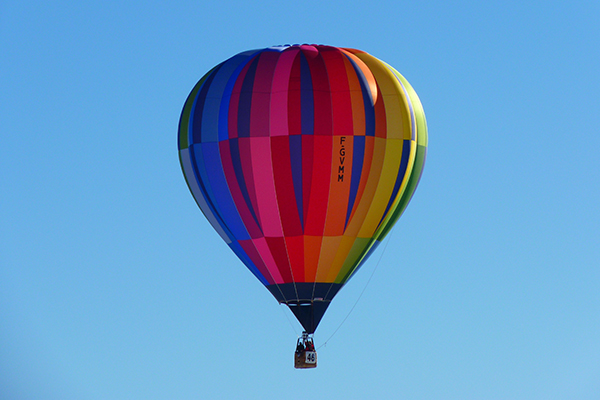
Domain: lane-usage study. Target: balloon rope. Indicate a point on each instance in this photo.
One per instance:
(361, 293)
(288, 318)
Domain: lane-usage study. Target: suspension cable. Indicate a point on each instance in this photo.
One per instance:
(288, 318)
(387, 241)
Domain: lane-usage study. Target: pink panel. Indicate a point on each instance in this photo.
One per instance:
(234, 103)
(245, 147)
(266, 198)
(251, 251)
(261, 94)
(265, 253)
(279, 93)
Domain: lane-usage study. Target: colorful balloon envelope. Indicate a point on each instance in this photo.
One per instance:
(302, 158)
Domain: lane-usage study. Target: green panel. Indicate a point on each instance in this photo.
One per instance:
(417, 170)
(184, 121)
(358, 251)
(422, 136)
(413, 181)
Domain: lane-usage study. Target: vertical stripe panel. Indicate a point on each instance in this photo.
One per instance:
(279, 93)
(307, 98)
(371, 181)
(319, 189)
(284, 186)
(220, 195)
(245, 104)
(266, 199)
(253, 254)
(385, 185)
(278, 250)
(245, 258)
(200, 196)
(237, 190)
(267, 258)
(295, 249)
(245, 161)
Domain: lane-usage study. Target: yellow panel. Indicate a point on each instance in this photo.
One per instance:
(396, 104)
(398, 122)
(329, 248)
(385, 186)
(422, 138)
(403, 185)
(365, 200)
(341, 256)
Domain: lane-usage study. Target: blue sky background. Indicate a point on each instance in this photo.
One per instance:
(114, 286)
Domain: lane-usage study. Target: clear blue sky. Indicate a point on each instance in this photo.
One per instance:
(114, 286)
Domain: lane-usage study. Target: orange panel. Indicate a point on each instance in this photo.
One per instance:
(366, 170)
(357, 101)
(339, 190)
(329, 248)
(374, 175)
(312, 249)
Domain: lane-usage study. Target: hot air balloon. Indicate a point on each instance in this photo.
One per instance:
(302, 158)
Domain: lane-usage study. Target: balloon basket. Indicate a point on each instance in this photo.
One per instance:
(305, 355)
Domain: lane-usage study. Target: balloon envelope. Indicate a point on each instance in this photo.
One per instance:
(302, 158)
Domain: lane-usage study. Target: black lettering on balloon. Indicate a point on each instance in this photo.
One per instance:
(342, 159)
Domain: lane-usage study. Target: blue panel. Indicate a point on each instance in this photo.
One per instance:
(220, 191)
(226, 99)
(245, 105)
(296, 161)
(239, 251)
(307, 100)
(367, 100)
(400, 177)
(239, 175)
(199, 193)
(211, 209)
(358, 158)
(212, 102)
(198, 108)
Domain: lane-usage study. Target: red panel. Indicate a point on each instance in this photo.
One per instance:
(338, 82)
(322, 97)
(279, 253)
(246, 161)
(236, 193)
(295, 249)
(294, 100)
(319, 191)
(261, 94)
(234, 103)
(284, 186)
(308, 144)
(252, 253)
